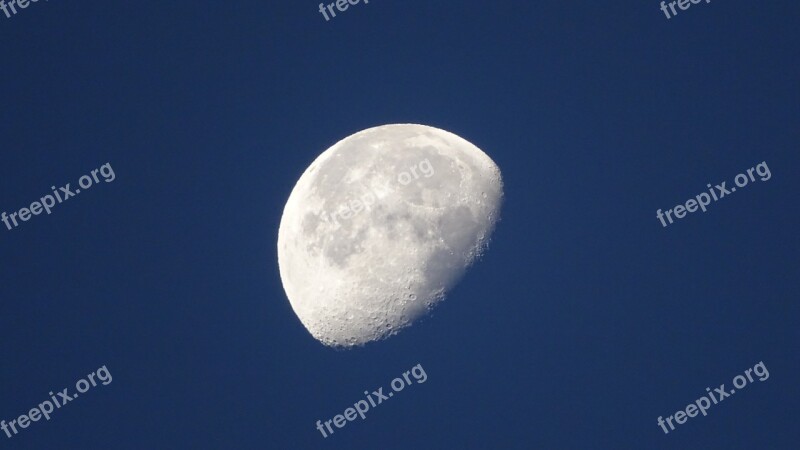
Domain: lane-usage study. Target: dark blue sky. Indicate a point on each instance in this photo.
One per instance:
(585, 321)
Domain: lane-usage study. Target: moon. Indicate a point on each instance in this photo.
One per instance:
(379, 228)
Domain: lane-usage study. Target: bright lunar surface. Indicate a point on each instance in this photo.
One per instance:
(380, 226)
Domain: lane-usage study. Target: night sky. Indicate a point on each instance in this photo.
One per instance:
(584, 322)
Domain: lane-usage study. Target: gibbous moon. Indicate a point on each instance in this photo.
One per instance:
(381, 226)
